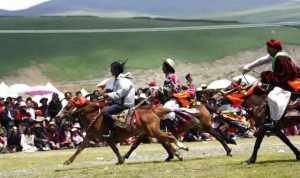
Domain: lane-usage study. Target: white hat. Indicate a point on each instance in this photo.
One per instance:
(170, 62)
(282, 54)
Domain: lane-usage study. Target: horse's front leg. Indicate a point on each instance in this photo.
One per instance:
(81, 147)
(284, 138)
(114, 147)
(258, 142)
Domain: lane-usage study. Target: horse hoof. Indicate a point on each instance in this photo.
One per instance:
(298, 157)
(249, 162)
(68, 162)
(169, 158)
(179, 156)
(229, 154)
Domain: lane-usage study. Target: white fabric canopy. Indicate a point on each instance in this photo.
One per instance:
(218, 84)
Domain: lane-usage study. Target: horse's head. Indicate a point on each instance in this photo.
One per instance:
(73, 104)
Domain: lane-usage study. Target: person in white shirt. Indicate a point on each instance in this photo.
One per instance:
(121, 94)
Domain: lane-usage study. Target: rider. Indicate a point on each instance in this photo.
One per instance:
(284, 70)
(121, 94)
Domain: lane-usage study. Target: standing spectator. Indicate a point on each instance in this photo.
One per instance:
(44, 107)
(68, 96)
(27, 141)
(54, 106)
(14, 140)
(53, 136)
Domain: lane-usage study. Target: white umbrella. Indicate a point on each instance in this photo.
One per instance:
(218, 84)
(247, 79)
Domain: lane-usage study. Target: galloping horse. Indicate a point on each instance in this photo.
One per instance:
(89, 114)
(257, 106)
(201, 120)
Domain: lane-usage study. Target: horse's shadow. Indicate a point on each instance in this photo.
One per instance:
(276, 161)
(128, 163)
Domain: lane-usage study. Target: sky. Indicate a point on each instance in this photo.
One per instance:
(12, 5)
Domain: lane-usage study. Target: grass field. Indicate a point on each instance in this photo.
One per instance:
(205, 159)
(86, 56)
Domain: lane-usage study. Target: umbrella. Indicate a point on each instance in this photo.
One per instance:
(218, 84)
(38, 91)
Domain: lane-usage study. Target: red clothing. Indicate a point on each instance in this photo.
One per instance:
(284, 70)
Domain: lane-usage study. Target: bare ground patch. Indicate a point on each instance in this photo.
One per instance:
(203, 72)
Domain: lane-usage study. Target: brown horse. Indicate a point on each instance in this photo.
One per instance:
(91, 118)
(257, 106)
(202, 120)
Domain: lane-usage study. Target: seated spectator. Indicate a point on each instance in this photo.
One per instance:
(27, 141)
(40, 136)
(76, 135)
(14, 140)
(53, 136)
(65, 137)
(3, 140)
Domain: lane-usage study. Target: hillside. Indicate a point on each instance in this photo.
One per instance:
(67, 57)
(166, 8)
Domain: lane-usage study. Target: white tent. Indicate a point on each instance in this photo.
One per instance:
(217, 84)
(247, 79)
(3, 90)
(51, 87)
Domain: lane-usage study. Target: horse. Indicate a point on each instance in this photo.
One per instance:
(257, 106)
(201, 120)
(90, 116)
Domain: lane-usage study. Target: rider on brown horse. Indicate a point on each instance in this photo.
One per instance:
(284, 73)
(121, 94)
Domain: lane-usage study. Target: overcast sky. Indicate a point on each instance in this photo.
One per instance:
(19, 4)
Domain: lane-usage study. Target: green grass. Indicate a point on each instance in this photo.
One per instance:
(89, 22)
(99, 162)
(86, 56)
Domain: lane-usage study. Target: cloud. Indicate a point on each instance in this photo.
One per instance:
(12, 5)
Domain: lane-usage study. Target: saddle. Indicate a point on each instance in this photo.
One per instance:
(127, 119)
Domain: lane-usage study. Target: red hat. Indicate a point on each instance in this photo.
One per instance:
(152, 83)
(274, 44)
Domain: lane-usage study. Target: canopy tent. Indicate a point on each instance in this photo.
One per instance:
(247, 79)
(51, 87)
(218, 84)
